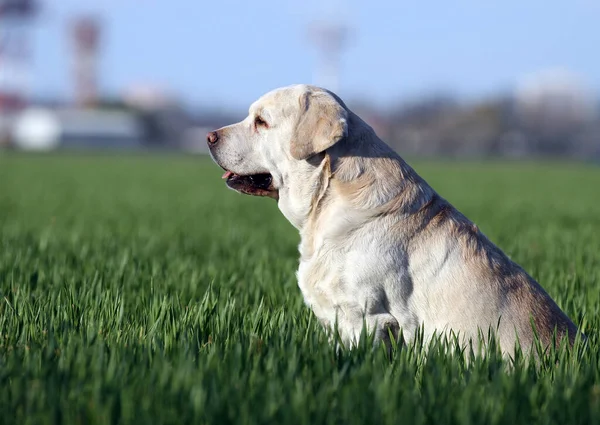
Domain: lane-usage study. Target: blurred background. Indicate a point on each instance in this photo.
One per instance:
(466, 78)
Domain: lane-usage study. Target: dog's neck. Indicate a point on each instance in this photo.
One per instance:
(369, 175)
(361, 179)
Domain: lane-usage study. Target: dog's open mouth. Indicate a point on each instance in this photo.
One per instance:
(255, 184)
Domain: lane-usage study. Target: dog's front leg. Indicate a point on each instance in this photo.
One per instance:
(385, 328)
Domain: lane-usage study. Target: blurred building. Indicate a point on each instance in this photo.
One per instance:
(166, 122)
(545, 116)
(15, 17)
(554, 108)
(555, 99)
(39, 128)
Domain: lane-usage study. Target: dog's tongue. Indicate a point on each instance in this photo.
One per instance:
(227, 175)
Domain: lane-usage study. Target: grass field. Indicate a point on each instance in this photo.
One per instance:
(140, 290)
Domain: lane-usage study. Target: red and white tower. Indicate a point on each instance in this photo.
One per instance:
(86, 40)
(15, 19)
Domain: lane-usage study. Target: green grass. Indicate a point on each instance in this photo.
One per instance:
(141, 290)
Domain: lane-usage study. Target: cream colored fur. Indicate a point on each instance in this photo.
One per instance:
(377, 242)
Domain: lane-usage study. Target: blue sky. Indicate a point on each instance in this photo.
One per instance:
(228, 52)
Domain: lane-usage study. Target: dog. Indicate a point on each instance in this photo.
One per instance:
(379, 247)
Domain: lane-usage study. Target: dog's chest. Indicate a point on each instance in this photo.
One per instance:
(333, 289)
(322, 286)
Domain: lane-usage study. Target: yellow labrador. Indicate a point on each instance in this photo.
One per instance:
(378, 245)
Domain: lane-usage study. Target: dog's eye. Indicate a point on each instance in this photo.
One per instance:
(259, 122)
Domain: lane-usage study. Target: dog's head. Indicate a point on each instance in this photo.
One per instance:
(277, 151)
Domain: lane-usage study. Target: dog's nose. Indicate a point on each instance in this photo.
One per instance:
(212, 138)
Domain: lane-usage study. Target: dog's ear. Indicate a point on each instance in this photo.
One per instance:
(322, 122)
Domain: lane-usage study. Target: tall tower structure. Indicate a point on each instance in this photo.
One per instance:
(15, 19)
(85, 35)
(329, 33)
